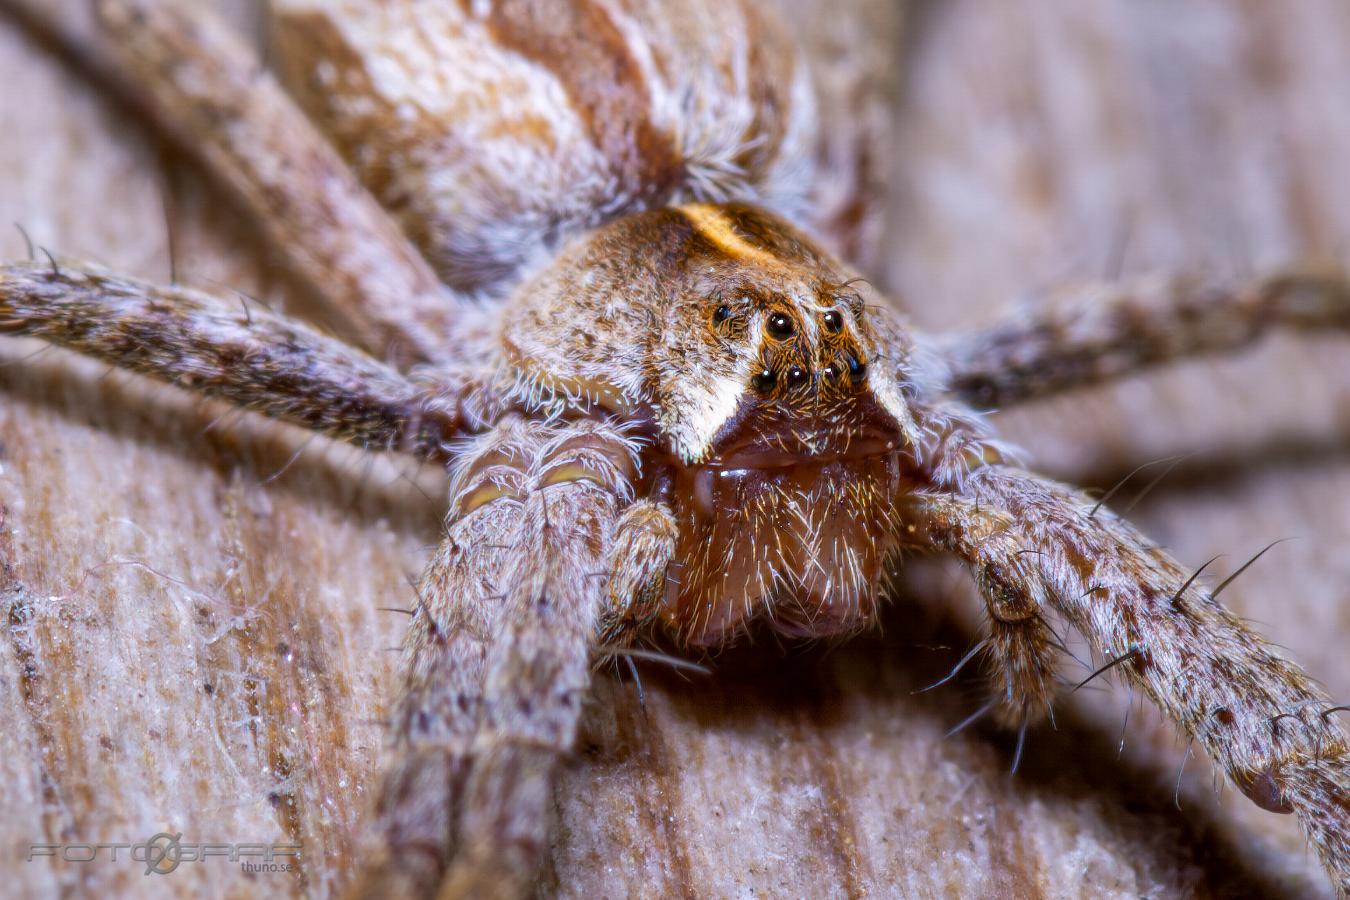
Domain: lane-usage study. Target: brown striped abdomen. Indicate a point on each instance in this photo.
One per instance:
(494, 129)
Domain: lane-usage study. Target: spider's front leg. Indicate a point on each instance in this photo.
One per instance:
(1257, 715)
(410, 838)
(538, 669)
(498, 657)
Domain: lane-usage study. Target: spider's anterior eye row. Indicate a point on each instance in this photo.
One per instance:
(766, 379)
(780, 325)
(856, 367)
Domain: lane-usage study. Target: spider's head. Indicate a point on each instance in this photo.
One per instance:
(767, 384)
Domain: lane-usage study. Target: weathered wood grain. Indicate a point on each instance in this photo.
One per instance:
(195, 646)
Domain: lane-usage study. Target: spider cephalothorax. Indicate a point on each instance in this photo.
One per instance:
(685, 412)
(771, 416)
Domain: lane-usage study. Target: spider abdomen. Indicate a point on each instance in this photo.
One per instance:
(493, 130)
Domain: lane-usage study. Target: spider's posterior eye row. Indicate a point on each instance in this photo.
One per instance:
(728, 322)
(781, 326)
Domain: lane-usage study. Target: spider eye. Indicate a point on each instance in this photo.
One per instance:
(856, 368)
(796, 376)
(764, 381)
(780, 325)
(832, 321)
(721, 314)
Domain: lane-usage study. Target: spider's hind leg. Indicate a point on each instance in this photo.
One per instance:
(208, 91)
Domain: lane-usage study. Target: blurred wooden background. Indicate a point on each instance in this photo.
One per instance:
(191, 639)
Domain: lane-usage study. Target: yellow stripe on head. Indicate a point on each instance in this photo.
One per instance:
(714, 226)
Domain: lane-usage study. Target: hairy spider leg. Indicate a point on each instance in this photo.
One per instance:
(498, 660)
(1038, 545)
(241, 353)
(204, 88)
(411, 835)
(1096, 333)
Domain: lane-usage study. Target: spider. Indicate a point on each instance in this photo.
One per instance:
(676, 412)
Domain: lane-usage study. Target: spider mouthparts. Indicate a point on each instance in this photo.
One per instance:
(794, 539)
(759, 458)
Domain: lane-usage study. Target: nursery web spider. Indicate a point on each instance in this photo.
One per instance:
(665, 409)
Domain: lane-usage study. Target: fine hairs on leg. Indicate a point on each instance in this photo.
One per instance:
(1161, 628)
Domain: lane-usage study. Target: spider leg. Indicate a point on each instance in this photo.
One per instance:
(499, 656)
(1022, 655)
(1110, 331)
(1256, 714)
(203, 86)
(410, 839)
(540, 659)
(240, 353)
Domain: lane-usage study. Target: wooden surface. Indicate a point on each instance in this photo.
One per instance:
(192, 644)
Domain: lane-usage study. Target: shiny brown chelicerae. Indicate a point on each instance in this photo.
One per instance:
(665, 406)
